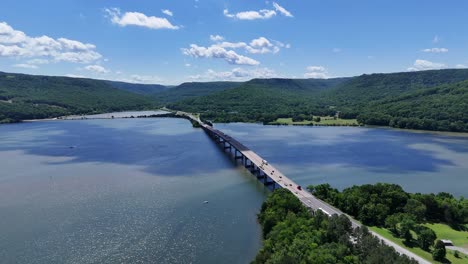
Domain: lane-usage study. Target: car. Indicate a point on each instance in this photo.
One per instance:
(299, 187)
(290, 184)
(265, 162)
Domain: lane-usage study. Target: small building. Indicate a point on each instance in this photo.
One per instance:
(447, 242)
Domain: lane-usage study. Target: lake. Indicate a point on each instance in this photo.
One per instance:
(134, 190)
(123, 191)
(344, 156)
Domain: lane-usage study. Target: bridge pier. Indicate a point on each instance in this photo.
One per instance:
(228, 145)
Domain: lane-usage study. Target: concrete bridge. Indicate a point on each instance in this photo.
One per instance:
(271, 176)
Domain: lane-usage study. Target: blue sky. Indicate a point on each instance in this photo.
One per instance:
(169, 42)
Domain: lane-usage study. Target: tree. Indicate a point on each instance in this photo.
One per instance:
(426, 237)
(439, 251)
(406, 225)
(415, 208)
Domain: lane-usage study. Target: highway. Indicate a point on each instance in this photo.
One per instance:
(303, 195)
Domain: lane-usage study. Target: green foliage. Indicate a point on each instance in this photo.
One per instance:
(401, 212)
(261, 100)
(32, 97)
(373, 204)
(293, 235)
(138, 88)
(431, 100)
(439, 251)
(426, 237)
(192, 90)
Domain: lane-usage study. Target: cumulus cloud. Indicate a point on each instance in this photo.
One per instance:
(38, 61)
(235, 74)
(436, 50)
(282, 10)
(316, 72)
(421, 65)
(74, 76)
(251, 15)
(461, 66)
(225, 50)
(215, 51)
(97, 69)
(216, 38)
(25, 65)
(145, 79)
(167, 12)
(260, 14)
(138, 19)
(15, 43)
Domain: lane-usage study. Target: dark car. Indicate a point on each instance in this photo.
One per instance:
(299, 187)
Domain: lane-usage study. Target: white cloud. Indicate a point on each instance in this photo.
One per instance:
(74, 76)
(225, 50)
(260, 42)
(436, 39)
(236, 74)
(26, 66)
(167, 12)
(216, 38)
(461, 66)
(38, 61)
(15, 43)
(188, 65)
(219, 52)
(260, 14)
(436, 50)
(421, 65)
(97, 68)
(145, 79)
(282, 10)
(316, 72)
(251, 15)
(138, 19)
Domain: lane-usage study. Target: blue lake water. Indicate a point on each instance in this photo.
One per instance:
(344, 156)
(132, 190)
(123, 191)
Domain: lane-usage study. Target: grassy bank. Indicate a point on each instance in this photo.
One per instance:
(441, 231)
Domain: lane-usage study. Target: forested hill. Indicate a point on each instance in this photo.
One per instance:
(361, 90)
(145, 89)
(30, 97)
(431, 100)
(193, 89)
(262, 100)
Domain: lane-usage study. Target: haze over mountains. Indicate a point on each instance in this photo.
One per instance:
(434, 100)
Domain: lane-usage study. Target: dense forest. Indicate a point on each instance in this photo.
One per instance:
(389, 206)
(262, 100)
(430, 100)
(293, 235)
(32, 97)
(192, 90)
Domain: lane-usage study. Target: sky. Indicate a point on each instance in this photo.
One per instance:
(170, 42)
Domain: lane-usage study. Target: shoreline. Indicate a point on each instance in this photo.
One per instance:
(88, 117)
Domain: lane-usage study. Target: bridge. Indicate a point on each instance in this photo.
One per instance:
(272, 177)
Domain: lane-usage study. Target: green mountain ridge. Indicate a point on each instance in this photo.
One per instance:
(33, 97)
(404, 100)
